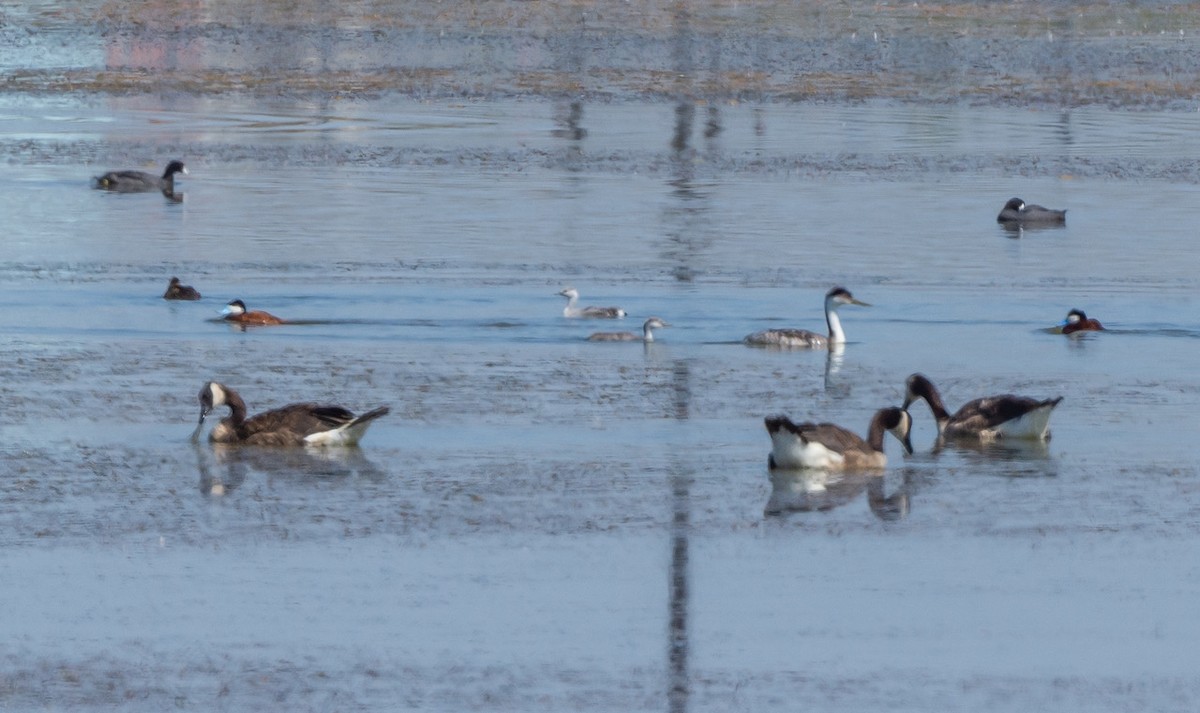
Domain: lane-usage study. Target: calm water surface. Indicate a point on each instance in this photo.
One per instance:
(544, 523)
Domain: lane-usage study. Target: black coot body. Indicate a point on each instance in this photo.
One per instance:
(140, 181)
(1017, 212)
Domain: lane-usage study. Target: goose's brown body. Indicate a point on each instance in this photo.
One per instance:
(828, 446)
(988, 418)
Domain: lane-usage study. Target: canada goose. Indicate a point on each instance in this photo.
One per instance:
(804, 339)
(988, 418)
(304, 424)
(830, 447)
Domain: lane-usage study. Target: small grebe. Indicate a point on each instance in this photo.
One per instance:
(177, 291)
(1016, 213)
(293, 425)
(236, 312)
(571, 310)
(988, 418)
(140, 181)
(647, 334)
(830, 447)
(804, 339)
(1077, 321)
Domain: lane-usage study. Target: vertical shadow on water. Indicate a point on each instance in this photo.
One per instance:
(681, 214)
(568, 118)
(678, 591)
(568, 107)
(685, 216)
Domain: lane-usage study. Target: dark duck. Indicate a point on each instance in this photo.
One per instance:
(140, 181)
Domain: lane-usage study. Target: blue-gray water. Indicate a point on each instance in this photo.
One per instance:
(544, 523)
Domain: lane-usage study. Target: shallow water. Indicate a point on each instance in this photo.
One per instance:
(544, 523)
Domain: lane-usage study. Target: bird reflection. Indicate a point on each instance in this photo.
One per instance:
(679, 588)
(815, 490)
(215, 479)
(834, 359)
(888, 507)
(223, 467)
(1017, 458)
(712, 127)
(1017, 230)
(570, 122)
(174, 196)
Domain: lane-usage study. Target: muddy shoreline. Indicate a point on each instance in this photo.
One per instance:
(1001, 54)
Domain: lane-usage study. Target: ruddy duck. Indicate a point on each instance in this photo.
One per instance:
(571, 310)
(293, 425)
(804, 339)
(1017, 213)
(235, 311)
(647, 334)
(830, 447)
(140, 181)
(988, 418)
(1077, 321)
(177, 291)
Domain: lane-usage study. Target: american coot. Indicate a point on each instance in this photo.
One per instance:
(1017, 213)
(140, 181)
(177, 291)
(804, 339)
(987, 419)
(236, 311)
(831, 447)
(647, 334)
(571, 310)
(1077, 321)
(292, 425)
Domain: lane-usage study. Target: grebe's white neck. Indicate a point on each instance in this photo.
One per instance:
(836, 335)
(651, 324)
(572, 296)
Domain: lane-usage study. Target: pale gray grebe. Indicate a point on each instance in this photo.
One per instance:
(294, 425)
(830, 447)
(804, 339)
(647, 334)
(140, 181)
(988, 418)
(1016, 212)
(571, 310)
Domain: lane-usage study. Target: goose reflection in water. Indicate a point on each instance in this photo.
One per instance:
(223, 468)
(812, 490)
(1010, 459)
